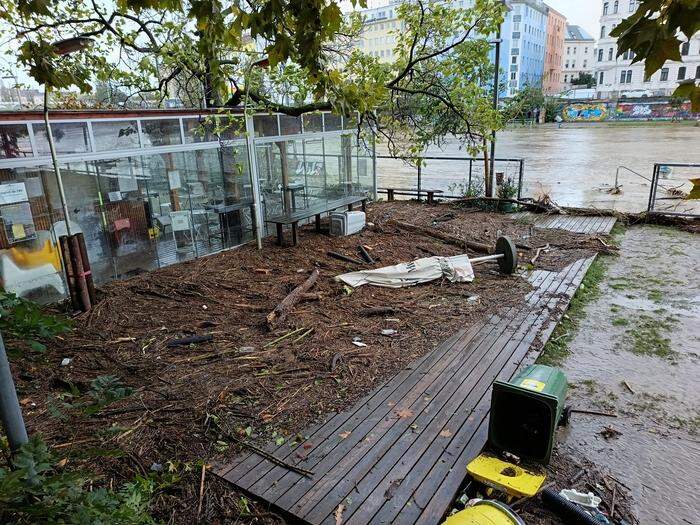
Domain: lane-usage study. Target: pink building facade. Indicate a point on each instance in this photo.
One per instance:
(552, 82)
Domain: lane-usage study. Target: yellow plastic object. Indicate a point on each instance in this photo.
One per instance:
(485, 513)
(47, 254)
(506, 477)
(695, 192)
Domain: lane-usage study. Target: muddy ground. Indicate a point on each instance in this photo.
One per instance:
(197, 403)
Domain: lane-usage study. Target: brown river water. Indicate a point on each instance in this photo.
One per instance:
(574, 164)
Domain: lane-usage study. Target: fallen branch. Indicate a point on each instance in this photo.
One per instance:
(283, 309)
(285, 336)
(344, 258)
(201, 490)
(365, 255)
(270, 457)
(445, 237)
(627, 385)
(379, 310)
(541, 249)
(186, 341)
(592, 412)
(531, 205)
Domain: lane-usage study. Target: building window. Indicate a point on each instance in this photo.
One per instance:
(602, 32)
(585, 64)
(516, 35)
(633, 6)
(606, 8)
(568, 50)
(513, 60)
(601, 76)
(610, 53)
(685, 48)
(681, 73)
(566, 66)
(600, 55)
(623, 75)
(664, 74)
(697, 73)
(574, 51)
(616, 7)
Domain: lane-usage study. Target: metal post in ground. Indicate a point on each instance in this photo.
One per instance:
(520, 178)
(496, 88)
(420, 162)
(10, 411)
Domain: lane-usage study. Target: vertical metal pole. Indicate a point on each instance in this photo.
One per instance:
(520, 179)
(56, 169)
(10, 411)
(496, 89)
(420, 162)
(254, 179)
(374, 164)
(652, 190)
(471, 163)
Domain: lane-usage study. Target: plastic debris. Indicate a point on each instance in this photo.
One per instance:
(586, 500)
(66, 361)
(389, 332)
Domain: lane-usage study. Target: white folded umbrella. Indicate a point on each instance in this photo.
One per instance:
(455, 269)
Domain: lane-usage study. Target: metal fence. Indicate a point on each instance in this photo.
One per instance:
(675, 190)
(452, 177)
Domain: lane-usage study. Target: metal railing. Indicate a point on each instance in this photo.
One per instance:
(655, 184)
(470, 175)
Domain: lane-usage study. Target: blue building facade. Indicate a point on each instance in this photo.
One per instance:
(525, 29)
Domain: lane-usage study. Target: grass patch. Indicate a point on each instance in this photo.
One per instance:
(620, 321)
(656, 296)
(557, 348)
(647, 336)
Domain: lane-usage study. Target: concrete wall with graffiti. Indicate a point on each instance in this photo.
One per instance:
(625, 109)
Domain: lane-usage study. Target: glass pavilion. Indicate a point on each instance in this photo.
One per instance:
(152, 188)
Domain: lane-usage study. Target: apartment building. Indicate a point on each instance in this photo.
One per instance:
(527, 45)
(552, 81)
(619, 77)
(579, 55)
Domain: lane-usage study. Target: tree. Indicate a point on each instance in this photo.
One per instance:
(584, 79)
(437, 86)
(654, 34)
(525, 102)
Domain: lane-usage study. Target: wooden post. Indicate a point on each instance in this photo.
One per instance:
(69, 271)
(86, 267)
(81, 285)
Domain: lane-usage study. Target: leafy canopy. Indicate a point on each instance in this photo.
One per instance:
(655, 32)
(292, 56)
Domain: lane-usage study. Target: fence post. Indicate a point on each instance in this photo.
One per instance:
(469, 185)
(10, 411)
(520, 179)
(652, 190)
(420, 162)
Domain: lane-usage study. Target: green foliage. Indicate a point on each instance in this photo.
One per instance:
(525, 101)
(22, 319)
(104, 390)
(507, 190)
(584, 79)
(654, 32)
(37, 491)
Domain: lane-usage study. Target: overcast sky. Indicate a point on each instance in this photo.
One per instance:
(584, 13)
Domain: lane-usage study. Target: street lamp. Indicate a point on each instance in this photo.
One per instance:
(62, 48)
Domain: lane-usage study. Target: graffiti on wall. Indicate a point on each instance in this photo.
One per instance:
(585, 112)
(653, 110)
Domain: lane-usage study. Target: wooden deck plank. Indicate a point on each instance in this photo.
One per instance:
(411, 443)
(448, 389)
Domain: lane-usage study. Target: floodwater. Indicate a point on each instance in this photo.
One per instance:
(574, 164)
(644, 330)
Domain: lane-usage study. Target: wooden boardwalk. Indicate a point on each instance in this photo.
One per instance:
(572, 223)
(400, 454)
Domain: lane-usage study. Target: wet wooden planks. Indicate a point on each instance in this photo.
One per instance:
(400, 454)
(572, 223)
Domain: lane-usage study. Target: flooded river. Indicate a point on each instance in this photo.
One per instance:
(574, 164)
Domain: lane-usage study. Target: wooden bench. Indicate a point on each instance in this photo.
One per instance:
(392, 192)
(293, 218)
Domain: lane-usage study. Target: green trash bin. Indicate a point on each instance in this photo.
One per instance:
(526, 411)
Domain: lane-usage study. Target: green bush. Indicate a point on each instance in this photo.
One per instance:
(25, 320)
(36, 491)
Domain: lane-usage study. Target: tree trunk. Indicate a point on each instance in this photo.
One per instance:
(283, 309)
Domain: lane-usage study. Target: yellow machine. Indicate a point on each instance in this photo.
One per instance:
(485, 512)
(505, 477)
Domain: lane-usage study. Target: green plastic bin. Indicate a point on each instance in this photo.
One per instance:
(526, 411)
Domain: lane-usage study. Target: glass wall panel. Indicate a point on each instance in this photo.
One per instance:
(125, 215)
(315, 170)
(14, 141)
(161, 132)
(332, 122)
(30, 263)
(116, 135)
(68, 138)
(313, 122)
(213, 128)
(290, 125)
(265, 126)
